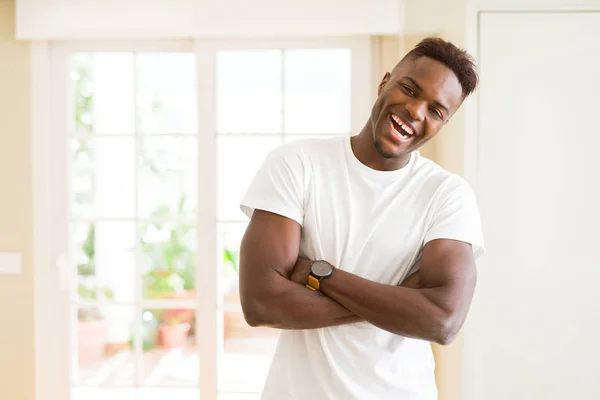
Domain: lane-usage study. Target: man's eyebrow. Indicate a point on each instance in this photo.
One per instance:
(408, 78)
(437, 103)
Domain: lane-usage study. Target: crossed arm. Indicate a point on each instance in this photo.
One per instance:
(430, 305)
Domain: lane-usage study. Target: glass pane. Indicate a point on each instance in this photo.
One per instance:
(166, 92)
(104, 253)
(168, 177)
(103, 340)
(238, 160)
(170, 356)
(168, 260)
(102, 93)
(103, 177)
(317, 91)
(247, 351)
(249, 97)
(91, 393)
(168, 393)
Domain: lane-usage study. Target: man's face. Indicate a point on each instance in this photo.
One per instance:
(414, 102)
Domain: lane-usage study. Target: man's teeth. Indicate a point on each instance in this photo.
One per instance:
(402, 134)
(407, 130)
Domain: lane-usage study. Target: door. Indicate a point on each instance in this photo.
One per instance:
(150, 150)
(533, 329)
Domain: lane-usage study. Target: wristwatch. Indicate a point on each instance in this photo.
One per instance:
(319, 270)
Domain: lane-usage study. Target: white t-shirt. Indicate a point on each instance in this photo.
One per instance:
(373, 224)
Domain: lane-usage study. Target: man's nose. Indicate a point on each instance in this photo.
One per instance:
(416, 110)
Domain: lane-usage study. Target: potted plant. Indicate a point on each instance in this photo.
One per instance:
(174, 331)
(92, 327)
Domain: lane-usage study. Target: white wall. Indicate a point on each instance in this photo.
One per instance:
(533, 328)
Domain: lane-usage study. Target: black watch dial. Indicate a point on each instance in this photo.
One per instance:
(321, 269)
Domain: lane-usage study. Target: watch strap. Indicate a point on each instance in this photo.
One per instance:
(313, 283)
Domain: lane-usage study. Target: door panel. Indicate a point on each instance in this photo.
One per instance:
(534, 319)
(133, 237)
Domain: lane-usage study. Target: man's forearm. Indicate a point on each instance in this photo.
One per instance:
(293, 306)
(400, 310)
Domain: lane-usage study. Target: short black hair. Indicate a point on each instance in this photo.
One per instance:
(458, 60)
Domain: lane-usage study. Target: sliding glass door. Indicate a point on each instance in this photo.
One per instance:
(157, 143)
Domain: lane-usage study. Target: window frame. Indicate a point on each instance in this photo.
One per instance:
(53, 272)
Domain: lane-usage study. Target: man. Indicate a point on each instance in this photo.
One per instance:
(402, 233)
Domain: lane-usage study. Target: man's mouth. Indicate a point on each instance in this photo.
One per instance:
(400, 129)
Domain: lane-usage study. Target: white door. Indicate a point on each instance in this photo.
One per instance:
(150, 150)
(534, 327)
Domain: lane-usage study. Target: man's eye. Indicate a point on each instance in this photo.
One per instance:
(409, 90)
(437, 113)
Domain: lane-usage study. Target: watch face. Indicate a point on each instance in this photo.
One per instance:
(321, 268)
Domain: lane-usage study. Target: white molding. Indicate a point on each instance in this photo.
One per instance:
(51, 300)
(208, 324)
(157, 19)
(282, 42)
(39, 68)
(130, 45)
(471, 174)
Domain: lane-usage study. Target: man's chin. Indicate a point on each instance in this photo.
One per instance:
(386, 152)
(383, 153)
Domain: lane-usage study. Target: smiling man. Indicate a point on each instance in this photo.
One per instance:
(362, 251)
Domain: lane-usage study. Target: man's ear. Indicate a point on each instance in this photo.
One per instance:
(385, 80)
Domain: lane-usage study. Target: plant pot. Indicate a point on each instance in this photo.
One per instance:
(180, 315)
(175, 335)
(91, 340)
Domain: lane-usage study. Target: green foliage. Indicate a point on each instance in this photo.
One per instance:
(173, 261)
(86, 267)
(92, 291)
(230, 261)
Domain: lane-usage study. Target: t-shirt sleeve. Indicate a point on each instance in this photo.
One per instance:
(456, 216)
(278, 186)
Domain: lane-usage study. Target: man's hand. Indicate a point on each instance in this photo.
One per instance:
(429, 306)
(301, 271)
